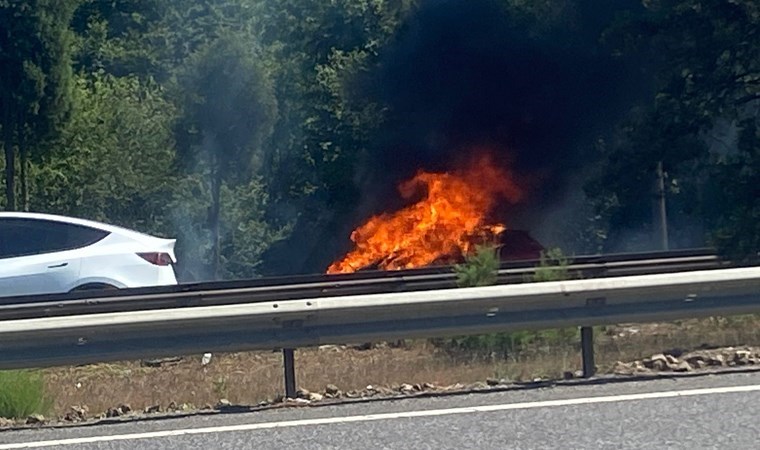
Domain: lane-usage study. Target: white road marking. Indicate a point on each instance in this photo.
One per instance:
(385, 416)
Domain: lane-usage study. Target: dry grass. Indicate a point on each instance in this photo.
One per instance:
(249, 378)
(635, 341)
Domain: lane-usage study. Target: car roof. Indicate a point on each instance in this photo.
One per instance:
(75, 221)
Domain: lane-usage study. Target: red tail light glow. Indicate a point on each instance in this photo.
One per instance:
(158, 259)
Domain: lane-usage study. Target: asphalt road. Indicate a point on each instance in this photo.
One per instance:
(719, 411)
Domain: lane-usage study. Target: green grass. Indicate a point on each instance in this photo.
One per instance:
(22, 393)
(507, 345)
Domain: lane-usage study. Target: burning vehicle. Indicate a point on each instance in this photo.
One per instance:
(448, 214)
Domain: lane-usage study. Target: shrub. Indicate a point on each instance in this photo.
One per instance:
(22, 393)
(552, 267)
(479, 269)
(502, 345)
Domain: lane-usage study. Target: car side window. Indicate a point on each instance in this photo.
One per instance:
(23, 237)
(9, 236)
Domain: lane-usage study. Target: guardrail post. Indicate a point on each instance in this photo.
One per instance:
(289, 362)
(587, 350)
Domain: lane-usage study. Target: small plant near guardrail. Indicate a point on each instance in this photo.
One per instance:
(553, 266)
(504, 345)
(220, 387)
(479, 268)
(22, 393)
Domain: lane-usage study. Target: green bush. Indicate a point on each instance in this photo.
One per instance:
(552, 267)
(479, 269)
(22, 393)
(502, 345)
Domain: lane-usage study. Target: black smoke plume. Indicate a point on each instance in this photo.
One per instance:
(465, 74)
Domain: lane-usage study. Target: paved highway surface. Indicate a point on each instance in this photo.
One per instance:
(690, 413)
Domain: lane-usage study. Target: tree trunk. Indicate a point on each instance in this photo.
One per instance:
(23, 154)
(216, 187)
(10, 159)
(24, 176)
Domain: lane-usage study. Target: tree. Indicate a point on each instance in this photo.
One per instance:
(120, 37)
(734, 197)
(702, 122)
(35, 69)
(319, 52)
(228, 110)
(153, 38)
(114, 159)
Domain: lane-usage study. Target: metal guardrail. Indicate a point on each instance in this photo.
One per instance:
(315, 286)
(295, 323)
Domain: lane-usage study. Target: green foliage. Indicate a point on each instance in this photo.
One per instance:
(247, 235)
(114, 158)
(123, 38)
(224, 122)
(701, 123)
(244, 233)
(220, 387)
(318, 52)
(735, 188)
(35, 87)
(505, 345)
(479, 269)
(552, 267)
(229, 109)
(22, 393)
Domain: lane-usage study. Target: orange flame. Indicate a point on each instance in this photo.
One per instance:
(446, 222)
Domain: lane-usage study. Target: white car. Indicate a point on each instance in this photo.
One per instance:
(44, 254)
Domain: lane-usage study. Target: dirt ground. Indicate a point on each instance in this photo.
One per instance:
(249, 378)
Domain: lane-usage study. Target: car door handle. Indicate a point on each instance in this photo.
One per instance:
(56, 266)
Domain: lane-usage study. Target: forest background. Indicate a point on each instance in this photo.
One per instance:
(261, 132)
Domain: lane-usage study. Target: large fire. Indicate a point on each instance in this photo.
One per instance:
(449, 219)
